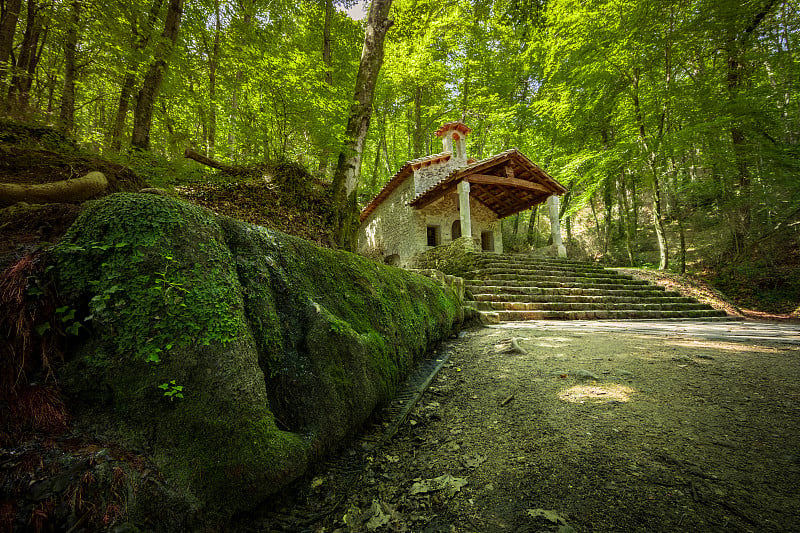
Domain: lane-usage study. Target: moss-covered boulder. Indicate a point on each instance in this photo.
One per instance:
(230, 354)
(455, 258)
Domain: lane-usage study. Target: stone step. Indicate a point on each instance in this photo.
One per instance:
(643, 291)
(527, 271)
(582, 306)
(557, 284)
(513, 265)
(521, 287)
(524, 258)
(582, 299)
(508, 316)
(536, 277)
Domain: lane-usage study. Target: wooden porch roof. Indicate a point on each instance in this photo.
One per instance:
(506, 183)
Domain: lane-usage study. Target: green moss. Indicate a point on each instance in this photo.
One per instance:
(156, 292)
(455, 258)
(255, 325)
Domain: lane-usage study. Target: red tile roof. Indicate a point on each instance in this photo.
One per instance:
(399, 177)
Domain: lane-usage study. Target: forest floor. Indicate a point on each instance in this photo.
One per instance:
(598, 426)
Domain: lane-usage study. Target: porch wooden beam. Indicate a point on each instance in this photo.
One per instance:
(486, 179)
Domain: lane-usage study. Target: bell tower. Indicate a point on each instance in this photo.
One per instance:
(454, 137)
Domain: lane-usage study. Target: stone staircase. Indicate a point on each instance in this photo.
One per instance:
(520, 287)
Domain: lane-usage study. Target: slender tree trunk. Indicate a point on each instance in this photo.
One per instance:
(374, 179)
(530, 236)
(126, 92)
(8, 27)
(387, 165)
(625, 215)
(658, 223)
(213, 64)
(417, 121)
(736, 75)
(515, 231)
(67, 111)
(682, 232)
(598, 227)
(345, 180)
(143, 114)
(27, 61)
(129, 81)
(608, 207)
(325, 151)
(326, 42)
(658, 219)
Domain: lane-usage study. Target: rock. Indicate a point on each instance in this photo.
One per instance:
(280, 348)
(583, 375)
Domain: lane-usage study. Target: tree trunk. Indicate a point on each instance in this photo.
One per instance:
(207, 161)
(326, 42)
(598, 227)
(682, 232)
(625, 215)
(374, 178)
(417, 121)
(213, 64)
(325, 151)
(143, 114)
(8, 27)
(658, 219)
(345, 180)
(736, 75)
(658, 223)
(72, 190)
(608, 207)
(67, 111)
(530, 236)
(128, 83)
(28, 58)
(515, 231)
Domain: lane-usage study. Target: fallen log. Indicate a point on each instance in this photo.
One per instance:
(64, 191)
(207, 161)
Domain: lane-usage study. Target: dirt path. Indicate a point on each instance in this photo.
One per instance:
(598, 426)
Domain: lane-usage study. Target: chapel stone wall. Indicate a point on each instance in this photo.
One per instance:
(393, 232)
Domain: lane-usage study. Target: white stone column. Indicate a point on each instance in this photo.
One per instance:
(463, 207)
(555, 226)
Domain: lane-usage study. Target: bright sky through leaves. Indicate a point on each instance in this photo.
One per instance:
(358, 11)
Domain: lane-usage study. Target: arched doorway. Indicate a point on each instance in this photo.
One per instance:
(455, 230)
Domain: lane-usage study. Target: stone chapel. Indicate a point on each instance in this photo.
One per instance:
(436, 199)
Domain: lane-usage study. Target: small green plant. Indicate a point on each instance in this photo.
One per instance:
(171, 288)
(172, 390)
(68, 322)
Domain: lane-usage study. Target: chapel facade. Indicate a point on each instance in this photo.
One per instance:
(436, 199)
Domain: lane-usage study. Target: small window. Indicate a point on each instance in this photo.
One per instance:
(433, 236)
(455, 231)
(487, 241)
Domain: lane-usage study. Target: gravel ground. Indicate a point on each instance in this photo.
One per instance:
(580, 426)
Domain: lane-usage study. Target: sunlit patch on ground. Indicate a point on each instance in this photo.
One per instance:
(609, 392)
